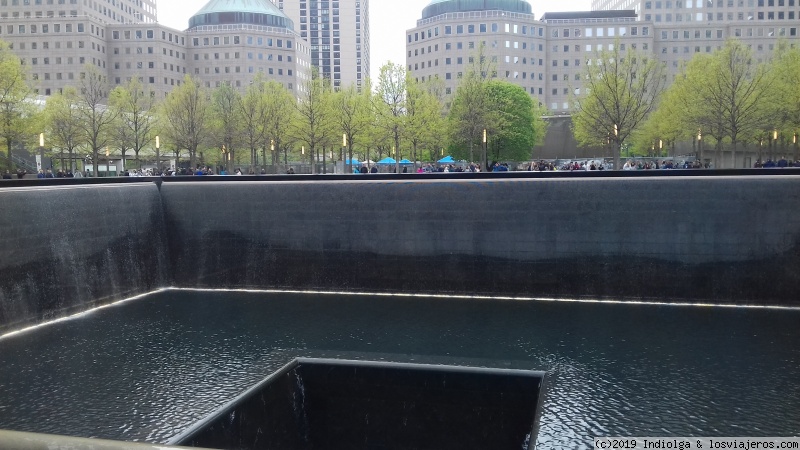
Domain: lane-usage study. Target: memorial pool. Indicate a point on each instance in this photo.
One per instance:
(145, 369)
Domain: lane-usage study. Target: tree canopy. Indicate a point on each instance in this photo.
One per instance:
(620, 90)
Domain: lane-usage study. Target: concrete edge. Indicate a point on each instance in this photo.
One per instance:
(34, 441)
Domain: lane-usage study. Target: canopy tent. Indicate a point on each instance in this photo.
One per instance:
(387, 160)
(405, 161)
(353, 161)
(446, 160)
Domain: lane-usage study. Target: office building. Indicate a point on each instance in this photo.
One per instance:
(227, 41)
(337, 33)
(546, 56)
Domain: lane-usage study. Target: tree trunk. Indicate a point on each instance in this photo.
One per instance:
(10, 165)
(617, 149)
(471, 153)
(397, 152)
(95, 161)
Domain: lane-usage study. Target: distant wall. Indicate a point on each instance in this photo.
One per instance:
(69, 248)
(722, 239)
(718, 239)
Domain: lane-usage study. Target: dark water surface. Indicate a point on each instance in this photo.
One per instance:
(146, 369)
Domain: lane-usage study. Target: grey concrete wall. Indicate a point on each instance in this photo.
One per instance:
(719, 239)
(68, 248)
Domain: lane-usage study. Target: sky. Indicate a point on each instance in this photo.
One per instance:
(389, 20)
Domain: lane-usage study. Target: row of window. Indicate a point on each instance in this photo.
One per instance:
(150, 51)
(139, 65)
(150, 80)
(709, 17)
(236, 40)
(36, 2)
(42, 28)
(216, 70)
(534, 31)
(516, 45)
(689, 4)
(45, 45)
(737, 32)
(147, 34)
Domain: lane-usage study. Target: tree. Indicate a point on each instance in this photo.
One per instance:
(314, 116)
(391, 108)
(135, 108)
(352, 112)
(515, 138)
(620, 90)
(425, 123)
(683, 114)
(226, 122)
(280, 112)
(738, 90)
(63, 122)
(787, 84)
(471, 112)
(186, 117)
(96, 118)
(15, 108)
(253, 113)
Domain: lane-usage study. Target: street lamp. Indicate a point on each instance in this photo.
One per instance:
(775, 140)
(485, 151)
(158, 155)
(700, 146)
(41, 151)
(348, 165)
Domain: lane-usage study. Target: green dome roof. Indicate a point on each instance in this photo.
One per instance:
(231, 12)
(436, 7)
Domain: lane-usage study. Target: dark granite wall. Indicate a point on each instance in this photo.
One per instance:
(718, 239)
(68, 248)
(316, 404)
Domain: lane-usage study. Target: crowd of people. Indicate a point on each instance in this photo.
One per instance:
(781, 163)
(533, 166)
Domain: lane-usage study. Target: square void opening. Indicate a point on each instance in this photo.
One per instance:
(337, 404)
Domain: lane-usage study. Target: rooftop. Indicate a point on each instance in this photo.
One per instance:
(437, 7)
(226, 12)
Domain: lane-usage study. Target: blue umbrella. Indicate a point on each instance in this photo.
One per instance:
(446, 160)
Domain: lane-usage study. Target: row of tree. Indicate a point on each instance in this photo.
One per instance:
(721, 100)
(268, 125)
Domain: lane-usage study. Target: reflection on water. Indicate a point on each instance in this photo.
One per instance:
(147, 369)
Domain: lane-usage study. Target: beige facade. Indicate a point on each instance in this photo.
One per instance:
(708, 11)
(546, 57)
(337, 33)
(55, 39)
(236, 54)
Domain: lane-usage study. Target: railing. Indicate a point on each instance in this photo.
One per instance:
(21, 163)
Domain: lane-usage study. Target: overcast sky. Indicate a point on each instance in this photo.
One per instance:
(389, 20)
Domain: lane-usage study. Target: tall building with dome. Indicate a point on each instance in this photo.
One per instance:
(234, 40)
(226, 41)
(546, 56)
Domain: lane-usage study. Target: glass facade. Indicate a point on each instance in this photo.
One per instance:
(229, 18)
(438, 7)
